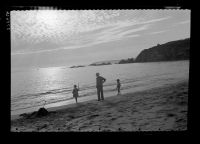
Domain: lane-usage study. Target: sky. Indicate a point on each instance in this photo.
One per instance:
(49, 38)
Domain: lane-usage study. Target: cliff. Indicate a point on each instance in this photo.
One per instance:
(175, 50)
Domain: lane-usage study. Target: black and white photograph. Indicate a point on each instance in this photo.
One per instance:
(119, 70)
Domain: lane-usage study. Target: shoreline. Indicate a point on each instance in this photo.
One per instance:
(163, 108)
(63, 104)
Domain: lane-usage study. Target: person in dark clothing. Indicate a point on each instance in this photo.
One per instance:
(118, 86)
(75, 92)
(99, 85)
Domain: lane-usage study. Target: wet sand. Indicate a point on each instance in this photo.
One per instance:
(158, 109)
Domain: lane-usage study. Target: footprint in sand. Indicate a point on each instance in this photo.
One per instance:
(93, 116)
(170, 115)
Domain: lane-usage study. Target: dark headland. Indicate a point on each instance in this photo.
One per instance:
(171, 51)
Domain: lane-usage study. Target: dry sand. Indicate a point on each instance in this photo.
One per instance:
(159, 109)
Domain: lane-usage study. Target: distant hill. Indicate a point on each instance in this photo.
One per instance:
(109, 62)
(175, 50)
(100, 64)
(77, 66)
(124, 61)
(105, 62)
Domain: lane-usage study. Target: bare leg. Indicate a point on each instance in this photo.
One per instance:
(118, 91)
(102, 96)
(98, 93)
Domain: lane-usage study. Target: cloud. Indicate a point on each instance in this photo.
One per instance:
(181, 23)
(157, 32)
(104, 35)
(46, 31)
(184, 22)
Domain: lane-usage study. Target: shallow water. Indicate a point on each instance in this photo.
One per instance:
(32, 87)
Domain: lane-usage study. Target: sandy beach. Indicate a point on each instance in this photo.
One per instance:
(158, 109)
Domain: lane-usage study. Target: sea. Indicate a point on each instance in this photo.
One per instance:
(52, 86)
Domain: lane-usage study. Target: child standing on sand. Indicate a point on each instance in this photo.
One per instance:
(118, 86)
(75, 92)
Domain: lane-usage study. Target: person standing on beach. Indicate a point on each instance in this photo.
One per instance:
(99, 85)
(75, 92)
(118, 86)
